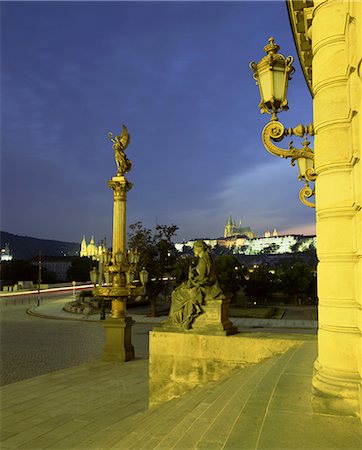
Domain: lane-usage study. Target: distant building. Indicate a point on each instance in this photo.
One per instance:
(59, 265)
(268, 234)
(276, 245)
(6, 254)
(242, 241)
(91, 250)
(232, 230)
(180, 245)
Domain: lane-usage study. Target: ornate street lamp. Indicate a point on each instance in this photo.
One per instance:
(272, 74)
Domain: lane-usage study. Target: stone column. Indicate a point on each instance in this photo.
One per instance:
(118, 329)
(336, 40)
(120, 186)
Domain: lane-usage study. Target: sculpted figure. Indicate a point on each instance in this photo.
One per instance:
(202, 285)
(120, 144)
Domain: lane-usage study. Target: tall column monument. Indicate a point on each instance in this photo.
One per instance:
(118, 269)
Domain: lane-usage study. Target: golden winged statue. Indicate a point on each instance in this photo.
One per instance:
(120, 143)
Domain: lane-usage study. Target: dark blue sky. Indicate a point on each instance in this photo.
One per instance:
(176, 73)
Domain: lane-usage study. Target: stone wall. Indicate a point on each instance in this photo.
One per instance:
(181, 361)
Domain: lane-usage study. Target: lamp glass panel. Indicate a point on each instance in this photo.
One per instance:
(129, 277)
(303, 165)
(143, 276)
(93, 276)
(265, 85)
(279, 83)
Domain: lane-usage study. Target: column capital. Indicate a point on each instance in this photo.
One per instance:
(120, 185)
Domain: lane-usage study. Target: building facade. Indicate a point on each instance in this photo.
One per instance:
(231, 229)
(274, 245)
(328, 38)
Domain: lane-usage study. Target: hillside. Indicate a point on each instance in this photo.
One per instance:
(25, 247)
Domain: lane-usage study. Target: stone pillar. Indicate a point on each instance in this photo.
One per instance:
(120, 186)
(118, 346)
(336, 43)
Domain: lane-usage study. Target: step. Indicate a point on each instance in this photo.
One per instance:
(184, 421)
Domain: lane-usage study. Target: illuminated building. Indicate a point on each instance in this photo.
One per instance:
(91, 250)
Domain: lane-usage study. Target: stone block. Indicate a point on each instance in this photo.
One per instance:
(118, 345)
(215, 319)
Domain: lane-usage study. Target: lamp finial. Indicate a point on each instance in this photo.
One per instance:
(271, 48)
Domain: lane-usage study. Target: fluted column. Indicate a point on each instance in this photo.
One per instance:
(336, 40)
(120, 186)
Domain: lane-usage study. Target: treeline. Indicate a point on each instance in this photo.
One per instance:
(158, 255)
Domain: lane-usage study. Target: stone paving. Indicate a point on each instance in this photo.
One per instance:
(138, 314)
(31, 346)
(101, 406)
(104, 406)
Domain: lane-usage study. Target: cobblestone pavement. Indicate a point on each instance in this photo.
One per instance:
(32, 346)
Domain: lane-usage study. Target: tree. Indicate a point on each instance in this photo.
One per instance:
(260, 284)
(157, 255)
(18, 269)
(296, 246)
(181, 268)
(270, 249)
(231, 273)
(219, 250)
(243, 249)
(298, 280)
(167, 253)
(23, 270)
(80, 269)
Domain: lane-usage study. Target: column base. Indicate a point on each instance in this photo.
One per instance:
(118, 344)
(215, 319)
(335, 392)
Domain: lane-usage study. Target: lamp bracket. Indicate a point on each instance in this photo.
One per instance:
(306, 192)
(274, 131)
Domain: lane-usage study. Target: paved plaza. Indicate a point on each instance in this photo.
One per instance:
(31, 346)
(81, 403)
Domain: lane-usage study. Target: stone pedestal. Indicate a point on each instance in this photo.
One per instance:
(118, 346)
(215, 319)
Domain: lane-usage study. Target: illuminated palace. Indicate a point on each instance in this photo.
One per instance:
(242, 240)
(91, 250)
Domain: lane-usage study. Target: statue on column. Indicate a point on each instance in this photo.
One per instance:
(120, 144)
(202, 285)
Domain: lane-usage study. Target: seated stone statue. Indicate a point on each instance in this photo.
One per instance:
(202, 285)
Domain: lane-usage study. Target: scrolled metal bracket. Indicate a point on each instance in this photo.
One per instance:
(274, 131)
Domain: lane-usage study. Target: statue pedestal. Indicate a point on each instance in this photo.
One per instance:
(215, 319)
(118, 346)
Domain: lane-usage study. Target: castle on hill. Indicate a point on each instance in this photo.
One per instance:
(237, 238)
(232, 230)
(243, 241)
